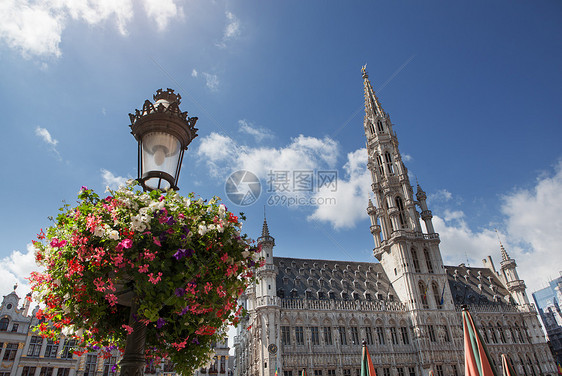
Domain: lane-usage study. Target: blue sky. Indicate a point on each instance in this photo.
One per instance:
(474, 90)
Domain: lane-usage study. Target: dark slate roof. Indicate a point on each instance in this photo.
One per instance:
(320, 279)
(471, 285)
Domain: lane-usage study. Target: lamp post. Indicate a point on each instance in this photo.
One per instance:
(163, 133)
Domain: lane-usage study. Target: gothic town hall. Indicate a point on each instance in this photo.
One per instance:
(314, 314)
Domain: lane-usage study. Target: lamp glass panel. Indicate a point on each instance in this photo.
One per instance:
(160, 152)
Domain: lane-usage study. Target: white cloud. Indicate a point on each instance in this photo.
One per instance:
(532, 232)
(45, 135)
(162, 11)
(35, 28)
(440, 196)
(111, 180)
(350, 196)
(212, 81)
(231, 30)
(224, 155)
(194, 73)
(258, 133)
(15, 268)
(406, 157)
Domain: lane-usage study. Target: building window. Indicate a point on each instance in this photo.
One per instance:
(493, 334)
(431, 332)
(317, 372)
(299, 335)
(388, 160)
(401, 212)
(380, 127)
(314, 337)
(46, 371)
(423, 294)
(394, 336)
(346, 372)
(15, 327)
(428, 261)
(67, 349)
(4, 324)
(455, 371)
(35, 345)
(502, 336)
(380, 335)
(331, 372)
(436, 295)
(109, 366)
(328, 335)
(412, 371)
(405, 337)
(51, 349)
(439, 369)
(369, 335)
(447, 337)
(63, 372)
(285, 335)
(28, 371)
(379, 163)
(287, 373)
(386, 371)
(10, 352)
(91, 365)
(400, 371)
(355, 335)
(343, 336)
(416, 261)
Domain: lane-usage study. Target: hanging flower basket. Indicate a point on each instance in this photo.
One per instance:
(183, 259)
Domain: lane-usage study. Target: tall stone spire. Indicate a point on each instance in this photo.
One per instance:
(265, 237)
(371, 101)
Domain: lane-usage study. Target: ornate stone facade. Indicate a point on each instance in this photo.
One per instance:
(314, 314)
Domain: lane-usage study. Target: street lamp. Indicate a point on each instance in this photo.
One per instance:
(163, 133)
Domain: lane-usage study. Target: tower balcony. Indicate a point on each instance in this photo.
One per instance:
(426, 214)
(516, 285)
(375, 229)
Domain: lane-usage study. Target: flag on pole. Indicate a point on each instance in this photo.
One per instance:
(367, 368)
(276, 371)
(559, 368)
(507, 366)
(303, 373)
(476, 358)
(442, 295)
(430, 372)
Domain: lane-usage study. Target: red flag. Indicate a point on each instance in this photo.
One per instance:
(476, 358)
(367, 368)
(507, 366)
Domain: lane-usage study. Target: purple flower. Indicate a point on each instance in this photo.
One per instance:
(160, 323)
(171, 221)
(114, 368)
(180, 292)
(195, 340)
(181, 253)
(184, 311)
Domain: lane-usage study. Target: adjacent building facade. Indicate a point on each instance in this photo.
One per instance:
(314, 314)
(548, 303)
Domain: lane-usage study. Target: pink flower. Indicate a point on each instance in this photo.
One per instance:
(127, 243)
(156, 241)
(112, 299)
(155, 280)
(128, 328)
(143, 268)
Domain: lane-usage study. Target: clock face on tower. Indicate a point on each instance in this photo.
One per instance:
(272, 348)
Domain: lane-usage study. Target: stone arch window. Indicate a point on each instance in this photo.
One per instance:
(380, 127)
(308, 294)
(423, 294)
(332, 295)
(321, 295)
(390, 297)
(281, 293)
(415, 260)
(371, 128)
(502, 335)
(428, 261)
(344, 295)
(368, 297)
(523, 365)
(355, 295)
(380, 296)
(388, 161)
(436, 295)
(380, 165)
(401, 212)
(493, 334)
(294, 293)
(4, 322)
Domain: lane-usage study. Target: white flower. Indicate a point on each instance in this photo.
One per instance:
(202, 230)
(187, 202)
(113, 234)
(222, 210)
